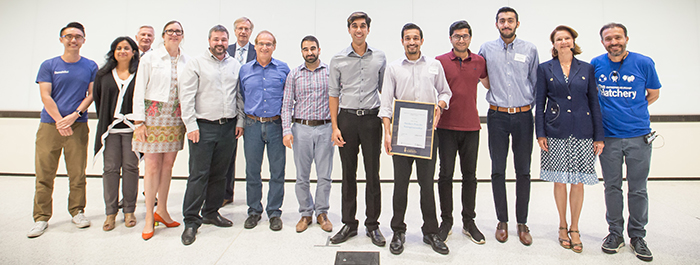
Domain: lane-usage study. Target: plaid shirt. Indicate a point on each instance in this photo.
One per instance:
(305, 96)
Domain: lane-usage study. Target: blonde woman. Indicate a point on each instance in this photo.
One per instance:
(159, 132)
(569, 129)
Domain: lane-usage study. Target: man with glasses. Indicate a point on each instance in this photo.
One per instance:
(262, 88)
(512, 66)
(356, 75)
(65, 84)
(627, 85)
(243, 51)
(458, 130)
(212, 111)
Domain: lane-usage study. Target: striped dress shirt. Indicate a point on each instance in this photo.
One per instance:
(305, 96)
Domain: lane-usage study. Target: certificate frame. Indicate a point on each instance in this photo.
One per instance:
(425, 152)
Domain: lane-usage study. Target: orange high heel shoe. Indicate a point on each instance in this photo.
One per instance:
(147, 236)
(159, 219)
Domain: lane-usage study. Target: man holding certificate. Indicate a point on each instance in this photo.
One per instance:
(420, 79)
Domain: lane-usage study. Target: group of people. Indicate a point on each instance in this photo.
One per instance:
(149, 100)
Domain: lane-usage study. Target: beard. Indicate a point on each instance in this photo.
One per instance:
(311, 58)
(218, 50)
(507, 36)
(622, 50)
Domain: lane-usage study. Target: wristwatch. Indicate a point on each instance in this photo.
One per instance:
(80, 113)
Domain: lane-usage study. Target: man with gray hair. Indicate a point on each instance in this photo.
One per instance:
(145, 39)
(212, 111)
(244, 52)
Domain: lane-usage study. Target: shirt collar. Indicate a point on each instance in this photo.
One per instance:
(453, 56)
(511, 45)
(272, 61)
(320, 66)
(406, 60)
(349, 50)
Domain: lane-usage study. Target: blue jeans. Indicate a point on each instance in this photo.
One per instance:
(501, 128)
(637, 157)
(256, 136)
(313, 144)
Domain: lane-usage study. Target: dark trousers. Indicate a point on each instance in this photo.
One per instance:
(501, 128)
(366, 131)
(208, 165)
(425, 173)
(466, 144)
(231, 174)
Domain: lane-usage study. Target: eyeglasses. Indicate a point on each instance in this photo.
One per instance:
(458, 37)
(266, 44)
(70, 37)
(174, 32)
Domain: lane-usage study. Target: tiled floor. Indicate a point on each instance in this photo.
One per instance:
(674, 223)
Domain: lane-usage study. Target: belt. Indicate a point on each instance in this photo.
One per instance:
(312, 122)
(263, 119)
(219, 121)
(510, 110)
(362, 112)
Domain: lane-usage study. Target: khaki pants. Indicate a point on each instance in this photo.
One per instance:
(49, 144)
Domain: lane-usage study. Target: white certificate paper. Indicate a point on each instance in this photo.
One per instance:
(412, 128)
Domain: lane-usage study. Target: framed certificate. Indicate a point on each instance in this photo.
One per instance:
(412, 129)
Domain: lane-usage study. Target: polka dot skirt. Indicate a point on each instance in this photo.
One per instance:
(569, 161)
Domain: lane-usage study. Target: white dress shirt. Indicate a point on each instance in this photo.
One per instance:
(422, 80)
(209, 90)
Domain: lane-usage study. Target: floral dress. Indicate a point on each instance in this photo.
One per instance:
(166, 132)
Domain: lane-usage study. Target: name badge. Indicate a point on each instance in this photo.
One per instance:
(520, 57)
(433, 70)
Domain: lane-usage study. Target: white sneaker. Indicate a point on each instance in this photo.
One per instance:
(81, 221)
(38, 229)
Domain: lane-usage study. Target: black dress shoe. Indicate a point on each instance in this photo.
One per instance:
(251, 221)
(343, 235)
(276, 223)
(436, 243)
(377, 237)
(217, 220)
(188, 236)
(397, 241)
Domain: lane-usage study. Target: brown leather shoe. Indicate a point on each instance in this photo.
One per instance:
(303, 223)
(502, 232)
(524, 234)
(326, 225)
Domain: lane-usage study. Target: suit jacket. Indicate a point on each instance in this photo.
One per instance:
(571, 108)
(251, 52)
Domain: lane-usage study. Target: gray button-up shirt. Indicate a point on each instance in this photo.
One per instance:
(209, 90)
(512, 72)
(357, 80)
(422, 80)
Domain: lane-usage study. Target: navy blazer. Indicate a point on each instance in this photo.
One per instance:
(251, 51)
(571, 108)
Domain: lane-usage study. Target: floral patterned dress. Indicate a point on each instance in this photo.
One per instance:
(166, 132)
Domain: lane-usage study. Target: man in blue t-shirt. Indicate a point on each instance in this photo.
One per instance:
(627, 85)
(65, 83)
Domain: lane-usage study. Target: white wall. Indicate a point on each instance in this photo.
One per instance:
(667, 31)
